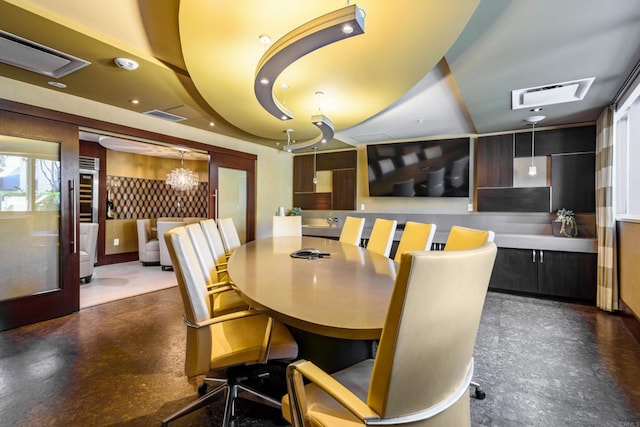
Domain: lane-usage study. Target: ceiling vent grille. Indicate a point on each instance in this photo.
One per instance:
(556, 93)
(89, 163)
(31, 56)
(164, 115)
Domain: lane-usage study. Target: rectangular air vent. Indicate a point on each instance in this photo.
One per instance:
(556, 93)
(164, 115)
(22, 53)
(88, 163)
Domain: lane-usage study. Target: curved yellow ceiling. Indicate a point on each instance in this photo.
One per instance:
(359, 77)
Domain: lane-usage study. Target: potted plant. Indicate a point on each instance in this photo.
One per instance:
(565, 223)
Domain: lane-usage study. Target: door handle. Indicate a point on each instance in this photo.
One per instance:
(533, 255)
(541, 257)
(74, 218)
(215, 204)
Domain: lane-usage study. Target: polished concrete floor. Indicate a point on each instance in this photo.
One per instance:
(542, 363)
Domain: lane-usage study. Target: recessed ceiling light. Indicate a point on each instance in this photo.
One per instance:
(420, 121)
(126, 64)
(264, 39)
(212, 124)
(59, 85)
(134, 101)
(535, 110)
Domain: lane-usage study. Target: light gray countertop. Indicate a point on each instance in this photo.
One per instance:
(503, 240)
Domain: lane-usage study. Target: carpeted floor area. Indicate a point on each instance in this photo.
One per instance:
(542, 363)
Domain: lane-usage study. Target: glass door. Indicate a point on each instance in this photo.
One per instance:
(233, 191)
(38, 202)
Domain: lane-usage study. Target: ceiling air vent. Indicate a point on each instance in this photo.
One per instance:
(555, 93)
(164, 115)
(31, 56)
(89, 163)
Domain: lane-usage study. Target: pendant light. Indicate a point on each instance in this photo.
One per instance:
(533, 120)
(182, 179)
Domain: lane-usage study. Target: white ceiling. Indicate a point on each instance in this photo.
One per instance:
(423, 69)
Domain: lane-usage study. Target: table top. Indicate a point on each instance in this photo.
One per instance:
(344, 296)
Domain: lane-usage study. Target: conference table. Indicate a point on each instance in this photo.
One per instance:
(335, 306)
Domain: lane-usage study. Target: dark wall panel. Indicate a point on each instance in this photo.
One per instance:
(525, 199)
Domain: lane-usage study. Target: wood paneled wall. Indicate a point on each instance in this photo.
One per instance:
(629, 264)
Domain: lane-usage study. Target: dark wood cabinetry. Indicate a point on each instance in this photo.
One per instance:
(573, 180)
(342, 164)
(494, 160)
(566, 275)
(566, 140)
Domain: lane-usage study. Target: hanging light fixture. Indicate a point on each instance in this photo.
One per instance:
(533, 120)
(315, 169)
(182, 179)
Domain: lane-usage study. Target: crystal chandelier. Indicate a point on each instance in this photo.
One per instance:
(182, 179)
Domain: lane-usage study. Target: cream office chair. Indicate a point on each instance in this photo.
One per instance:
(148, 248)
(240, 339)
(222, 302)
(417, 382)
(463, 238)
(416, 236)
(229, 234)
(287, 226)
(88, 248)
(212, 234)
(352, 230)
(381, 236)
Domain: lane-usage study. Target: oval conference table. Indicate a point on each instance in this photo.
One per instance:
(332, 304)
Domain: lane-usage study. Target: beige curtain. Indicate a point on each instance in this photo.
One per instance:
(607, 294)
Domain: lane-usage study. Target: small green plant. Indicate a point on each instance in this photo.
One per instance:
(569, 227)
(295, 212)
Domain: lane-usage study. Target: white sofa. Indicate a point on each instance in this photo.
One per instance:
(148, 244)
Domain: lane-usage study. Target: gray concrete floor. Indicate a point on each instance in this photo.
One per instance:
(542, 363)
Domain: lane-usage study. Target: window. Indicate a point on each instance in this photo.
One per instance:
(627, 159)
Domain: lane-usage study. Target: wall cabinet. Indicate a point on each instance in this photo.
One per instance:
(565, 275)
(343, 175)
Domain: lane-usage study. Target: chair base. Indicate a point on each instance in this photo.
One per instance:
(233, 389)
(150, 263)
(478, 392)
(166, 267)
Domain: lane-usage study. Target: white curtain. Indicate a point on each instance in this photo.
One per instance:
(607, 291)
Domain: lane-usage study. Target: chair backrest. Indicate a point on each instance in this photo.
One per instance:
(203, 253)
(436, 183)
(458, 168)
(409, 374)
(386, 166)
(144, 230)
(461, 238)
(416, 236)
(287, 226)
(214, 240)
(352, 230)
(381, 236)
(404, 188)
(197, 306)
(410, 158)
(229, 234)
(89, 239)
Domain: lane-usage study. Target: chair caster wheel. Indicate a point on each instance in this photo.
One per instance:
(202, 390)
(480, 394)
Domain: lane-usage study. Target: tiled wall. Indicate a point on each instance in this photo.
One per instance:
(150, 198)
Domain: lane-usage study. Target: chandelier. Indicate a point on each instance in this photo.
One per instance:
(182, 179)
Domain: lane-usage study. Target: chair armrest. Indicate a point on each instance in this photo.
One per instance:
(223, 318)
(331, 386)
(215, 285)
(221, 264)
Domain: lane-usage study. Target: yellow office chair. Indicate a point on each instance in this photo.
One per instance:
(416, 236)
(381, 236)
(352, 230)
(222, 302)
(287, 226)
(461, 238)
(246, 339)
(467, 238)
(229, 234)
(423, 382)
(212, 234)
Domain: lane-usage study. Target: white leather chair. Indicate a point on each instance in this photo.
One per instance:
(212, 234)
(381, 237)
(163, 225)
(229, 234)
(88, 246)
(148, 247)
(244, 340)
(283, 226)
(411, 382)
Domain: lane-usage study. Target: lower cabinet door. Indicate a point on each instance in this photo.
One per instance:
(515, 270)
(567, 275)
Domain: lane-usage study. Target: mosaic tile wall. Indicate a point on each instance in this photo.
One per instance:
(151, 198)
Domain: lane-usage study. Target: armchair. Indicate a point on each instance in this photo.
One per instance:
(148, 247)
(88, 246)
(352, 230)
(287, 226)
(422, 382)
(164, 225)
(415, 237)
(229, 234)
(381, 237)
(240, 340)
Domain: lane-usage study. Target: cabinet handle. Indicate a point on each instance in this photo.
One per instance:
(74, 215)
(541, 257)
(533, 255)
